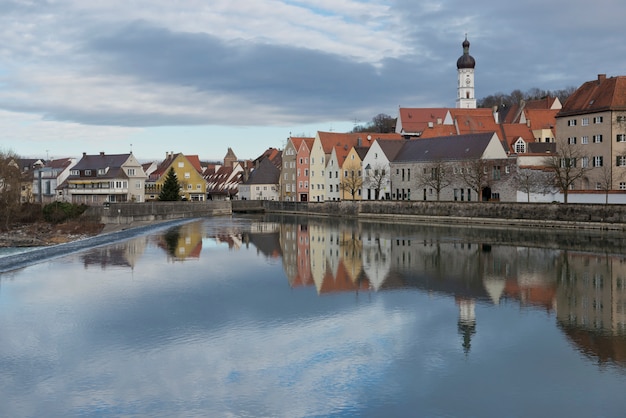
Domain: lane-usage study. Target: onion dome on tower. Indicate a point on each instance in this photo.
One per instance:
(466, 60)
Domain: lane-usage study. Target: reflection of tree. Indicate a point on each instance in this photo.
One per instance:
(171, 238)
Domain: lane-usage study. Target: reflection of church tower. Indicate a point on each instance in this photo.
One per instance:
(467, 321)
(465, 84)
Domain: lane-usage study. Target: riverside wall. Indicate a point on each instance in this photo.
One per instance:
(129, 213)
(521, 215)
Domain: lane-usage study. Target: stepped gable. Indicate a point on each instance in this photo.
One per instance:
(598, 95)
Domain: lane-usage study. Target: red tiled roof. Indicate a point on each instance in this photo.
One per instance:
(331, 140)
(473, 121)
(416, 120)
(597, 96)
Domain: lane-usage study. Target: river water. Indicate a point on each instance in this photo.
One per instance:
(304, 317)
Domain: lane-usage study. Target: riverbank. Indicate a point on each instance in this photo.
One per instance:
(40, 234)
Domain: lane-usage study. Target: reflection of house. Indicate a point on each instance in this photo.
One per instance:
(182, 243)
(593, 295)
(267, 242)
(124, 254)
(105, 178)
(376, 257)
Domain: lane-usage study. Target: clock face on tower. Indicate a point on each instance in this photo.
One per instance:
(468, 81)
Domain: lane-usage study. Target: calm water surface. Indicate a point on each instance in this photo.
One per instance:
(297, 317)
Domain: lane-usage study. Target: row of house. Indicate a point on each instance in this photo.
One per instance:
(481, 152)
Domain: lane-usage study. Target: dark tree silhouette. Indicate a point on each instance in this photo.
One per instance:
(171, 187)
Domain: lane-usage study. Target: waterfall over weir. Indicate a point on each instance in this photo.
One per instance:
(23, 259)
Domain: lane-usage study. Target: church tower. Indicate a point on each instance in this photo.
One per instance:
(465, 84)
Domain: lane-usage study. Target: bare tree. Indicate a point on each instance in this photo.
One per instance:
(475, 174)
(532, 181)
(376, 179)
(352, 181)
(10, 182)
(436, 175)
(568, 165)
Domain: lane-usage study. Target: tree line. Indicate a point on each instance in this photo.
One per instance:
(383, 123)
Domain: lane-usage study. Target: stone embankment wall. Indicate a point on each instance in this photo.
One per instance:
(583, 216)
(128, 213)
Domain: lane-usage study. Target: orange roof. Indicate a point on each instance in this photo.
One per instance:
(541, 104)
(438, 130)
(416, 120)
(473, 121)
(597, 96)
(195, 162)
(512, 131)
(330, 140)
(541, 118)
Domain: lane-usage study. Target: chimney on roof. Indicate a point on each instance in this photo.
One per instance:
(528, 122)
(102, 153)
(439, 121)
(601, 77)
(84, 154)
(358, 142)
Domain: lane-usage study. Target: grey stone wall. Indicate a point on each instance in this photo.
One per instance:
(497, 213)
(126, 213)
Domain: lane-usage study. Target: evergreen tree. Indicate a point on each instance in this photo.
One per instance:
(171, 187)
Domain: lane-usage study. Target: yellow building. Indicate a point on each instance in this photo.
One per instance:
(188, 170)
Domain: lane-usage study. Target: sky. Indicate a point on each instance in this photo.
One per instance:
(199, 76)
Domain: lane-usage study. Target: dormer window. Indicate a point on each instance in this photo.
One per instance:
(520, 146)
(88, 172)
(102, 171)
(74, 172)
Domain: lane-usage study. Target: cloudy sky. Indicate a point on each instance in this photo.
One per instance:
(198, 76)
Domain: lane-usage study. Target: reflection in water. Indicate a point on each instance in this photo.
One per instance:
(585, 291)
(121, 254)
(361, 319)
(182, 242)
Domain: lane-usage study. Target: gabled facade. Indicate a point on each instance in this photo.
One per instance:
(377, 169)
(463, 157)
(593, 121)
(262, 184)
(302, 170)
(96, 179)
(296, 148)
(188, 172)
(321, 151)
